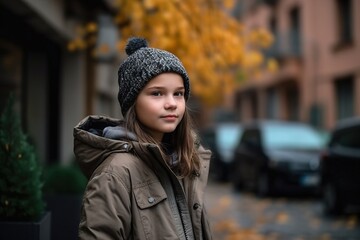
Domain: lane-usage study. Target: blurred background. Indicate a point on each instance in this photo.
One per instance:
(59, 76)
(248, 60)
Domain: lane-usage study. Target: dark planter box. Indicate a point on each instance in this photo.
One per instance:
(65, 215)
(27, 230)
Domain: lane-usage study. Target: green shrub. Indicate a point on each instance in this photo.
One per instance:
(20, 171)
(64, 179)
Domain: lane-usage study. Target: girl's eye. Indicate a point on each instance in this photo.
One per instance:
(156, 93)
(179, 94)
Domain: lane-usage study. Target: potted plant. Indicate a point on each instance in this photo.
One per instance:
(22, 211)
(64, 186)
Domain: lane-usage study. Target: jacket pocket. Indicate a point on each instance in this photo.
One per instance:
(149, 195)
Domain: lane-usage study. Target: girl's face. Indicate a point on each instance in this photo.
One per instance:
(160, 105)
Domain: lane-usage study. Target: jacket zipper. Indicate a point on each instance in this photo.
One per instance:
(177, 189)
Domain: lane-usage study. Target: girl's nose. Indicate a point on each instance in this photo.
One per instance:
(170, 103)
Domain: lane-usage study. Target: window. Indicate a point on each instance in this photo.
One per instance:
(292, 103)
(345, 21)
(344, 88)
(276, 47)
(272, 103)
(292, 136)
(295, 37)
(11, 72)
(251, 96)
(350, 138)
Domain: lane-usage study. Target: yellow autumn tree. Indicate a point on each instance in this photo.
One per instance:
(210, 42)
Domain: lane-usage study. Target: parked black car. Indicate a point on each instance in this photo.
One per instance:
(340, 167)
(274, 156)
(222, 139)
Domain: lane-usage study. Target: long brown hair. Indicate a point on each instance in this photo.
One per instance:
(183, 140)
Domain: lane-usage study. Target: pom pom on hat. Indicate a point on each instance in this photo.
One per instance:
(135, 44)
(142, 65)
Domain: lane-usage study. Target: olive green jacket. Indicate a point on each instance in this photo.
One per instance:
(132, 194)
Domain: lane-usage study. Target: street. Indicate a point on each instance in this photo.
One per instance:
(241, 215)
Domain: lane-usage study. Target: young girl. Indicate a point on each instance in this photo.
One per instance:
(147, 173)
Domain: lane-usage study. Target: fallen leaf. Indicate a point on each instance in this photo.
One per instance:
(282, 218)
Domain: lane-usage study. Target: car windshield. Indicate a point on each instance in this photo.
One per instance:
(228, 136)
(292, 136)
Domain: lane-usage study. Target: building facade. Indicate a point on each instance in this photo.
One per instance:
(54, 88)
(317, 47)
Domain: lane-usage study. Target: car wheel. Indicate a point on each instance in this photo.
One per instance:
(263, 185)
(331, 199)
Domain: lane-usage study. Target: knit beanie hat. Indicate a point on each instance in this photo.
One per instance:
(142, 65)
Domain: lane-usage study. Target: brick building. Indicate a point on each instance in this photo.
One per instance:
(317, 46)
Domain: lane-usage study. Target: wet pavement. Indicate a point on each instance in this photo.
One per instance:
(242, 215)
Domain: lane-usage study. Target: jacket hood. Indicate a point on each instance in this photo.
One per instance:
(96, 137)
